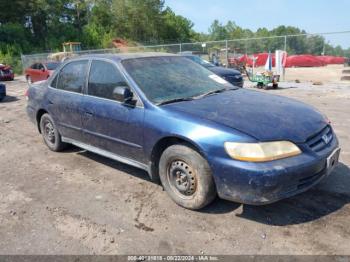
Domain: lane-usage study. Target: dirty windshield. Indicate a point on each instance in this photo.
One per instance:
(170, 78)
(200, 61)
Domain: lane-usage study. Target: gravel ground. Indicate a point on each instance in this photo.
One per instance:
(76, 202)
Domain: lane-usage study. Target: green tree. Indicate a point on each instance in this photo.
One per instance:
(176, 28)
(218, 31)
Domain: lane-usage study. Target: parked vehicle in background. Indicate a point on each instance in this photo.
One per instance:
(347, 61)
(40, 71)
(232, 76)
(197, 133)
(2, 91)
(6, 73)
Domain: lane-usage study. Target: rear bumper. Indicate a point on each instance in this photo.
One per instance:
(236, 81)
(7, 77)
(31, 114)
(264, 183)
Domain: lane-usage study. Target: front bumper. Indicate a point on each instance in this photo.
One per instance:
(264, 183)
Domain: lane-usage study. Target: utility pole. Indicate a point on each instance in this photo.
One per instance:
(324, 48)
(226, 53)
(285, 43)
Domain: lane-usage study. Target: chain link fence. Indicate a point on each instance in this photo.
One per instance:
(28, 60)
(227, 52)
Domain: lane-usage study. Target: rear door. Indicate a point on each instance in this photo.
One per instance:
(65, 98)
(109, 124)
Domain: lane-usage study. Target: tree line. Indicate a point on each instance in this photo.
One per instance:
(33, 26)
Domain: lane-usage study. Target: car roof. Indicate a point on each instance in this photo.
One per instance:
(124, 56)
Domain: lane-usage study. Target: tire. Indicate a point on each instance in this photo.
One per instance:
(186, 176)
(275, 86)
(29, 80)
(51, 136)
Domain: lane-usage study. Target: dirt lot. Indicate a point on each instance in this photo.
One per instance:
(77, 202)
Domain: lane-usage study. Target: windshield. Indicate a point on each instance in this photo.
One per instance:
(52, 65)
(200, 61)
(166, 78)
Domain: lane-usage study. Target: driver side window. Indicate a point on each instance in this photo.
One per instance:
(103, 79)
(41, 67)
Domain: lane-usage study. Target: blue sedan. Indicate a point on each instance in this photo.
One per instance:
(188, 128)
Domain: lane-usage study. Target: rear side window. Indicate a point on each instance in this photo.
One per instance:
(104, 77)
(72, 77)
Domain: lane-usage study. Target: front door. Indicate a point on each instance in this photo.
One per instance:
(109, 124)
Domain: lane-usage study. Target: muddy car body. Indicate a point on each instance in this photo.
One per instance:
(196, 132)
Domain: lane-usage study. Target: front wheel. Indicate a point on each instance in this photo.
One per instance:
(186, 176)
(29, 80)
(51, 136)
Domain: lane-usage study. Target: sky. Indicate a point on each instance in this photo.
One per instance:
(314, 16)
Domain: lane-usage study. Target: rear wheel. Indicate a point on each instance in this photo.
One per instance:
(51, 136)
(186, 176)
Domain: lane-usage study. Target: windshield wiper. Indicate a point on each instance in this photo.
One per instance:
(211, 93)
(175, 100)
(195, 97)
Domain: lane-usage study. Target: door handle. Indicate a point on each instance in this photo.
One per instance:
(50, 102)
(88, 113)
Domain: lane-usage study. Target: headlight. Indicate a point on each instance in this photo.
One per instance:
(261, 152)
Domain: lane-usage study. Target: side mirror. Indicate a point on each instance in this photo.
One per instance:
(123, 94)
(43, 69)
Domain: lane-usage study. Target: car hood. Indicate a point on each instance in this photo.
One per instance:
(222, 71)
(263, 116)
